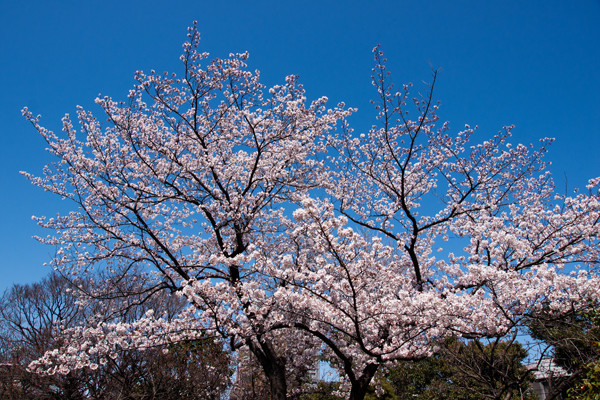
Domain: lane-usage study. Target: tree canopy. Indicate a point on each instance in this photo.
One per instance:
(285, 231)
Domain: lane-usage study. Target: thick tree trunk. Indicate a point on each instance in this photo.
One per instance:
(273, 367)
(277, 382)
(358, 392)
(360, 386)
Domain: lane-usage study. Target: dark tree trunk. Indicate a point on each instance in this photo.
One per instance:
(273, 367)
(360, 386)
(277, 383)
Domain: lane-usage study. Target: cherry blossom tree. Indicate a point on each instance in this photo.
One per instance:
(189, 177)
(208, 185)
(428, 234)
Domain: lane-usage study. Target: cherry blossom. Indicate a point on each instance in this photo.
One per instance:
(286, 231)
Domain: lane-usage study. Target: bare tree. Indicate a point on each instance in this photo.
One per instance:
(32, 318)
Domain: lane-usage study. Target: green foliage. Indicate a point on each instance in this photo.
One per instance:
(323, 391)
(462, 371)
(575, 340)
(572, 336)
(419, 379)
(588, 387)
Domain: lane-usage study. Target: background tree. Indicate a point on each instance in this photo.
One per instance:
(32, 318)
(588, 387)
(571, 340)
(465, 370)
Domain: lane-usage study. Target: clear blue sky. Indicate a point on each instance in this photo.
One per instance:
(535, 64)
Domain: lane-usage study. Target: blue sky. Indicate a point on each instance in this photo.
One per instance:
(534, 64)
